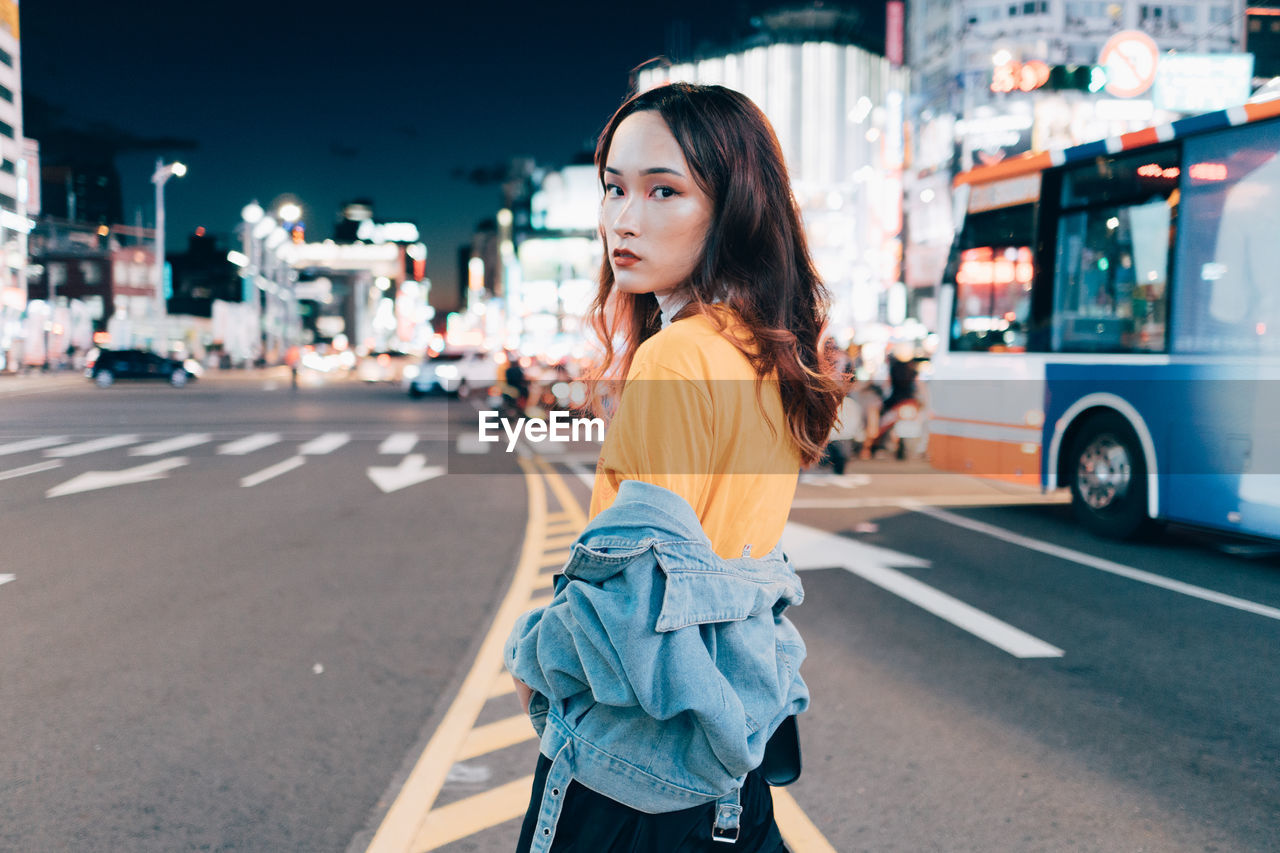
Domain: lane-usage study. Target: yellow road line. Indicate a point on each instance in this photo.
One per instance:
(495, 736)
(797, 830)
(557, 517)
(467, 817)
(560, 541)
(555, 558)
(568, 502)
(543, 581)
(405, 820)
(535, 603)
(502, 685)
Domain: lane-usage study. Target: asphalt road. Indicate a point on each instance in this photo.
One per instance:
(191, 663)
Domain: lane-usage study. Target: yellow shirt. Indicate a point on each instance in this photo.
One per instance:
(690, 421)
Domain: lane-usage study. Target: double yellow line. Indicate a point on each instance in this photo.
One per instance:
(412, 824)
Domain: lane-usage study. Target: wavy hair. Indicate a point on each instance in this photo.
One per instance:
(754, 260)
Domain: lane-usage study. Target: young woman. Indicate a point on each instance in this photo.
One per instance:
(664, 662)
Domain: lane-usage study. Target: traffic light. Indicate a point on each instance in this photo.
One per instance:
(1081, 78)
(1028, 76)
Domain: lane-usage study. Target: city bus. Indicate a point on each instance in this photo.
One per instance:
(1110, 324)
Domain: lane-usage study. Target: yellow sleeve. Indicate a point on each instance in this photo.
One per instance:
(661, 434)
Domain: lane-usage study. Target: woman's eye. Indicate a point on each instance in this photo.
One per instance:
(609, 190)
(665, 192)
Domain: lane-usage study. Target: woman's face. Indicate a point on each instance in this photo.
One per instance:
(654, 215)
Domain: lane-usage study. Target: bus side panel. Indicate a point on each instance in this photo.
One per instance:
(985, 415)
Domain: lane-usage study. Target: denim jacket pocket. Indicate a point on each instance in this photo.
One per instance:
(603, 558)
(695, 596)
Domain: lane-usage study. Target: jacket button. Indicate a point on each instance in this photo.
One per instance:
(546, 831)
(555, 792)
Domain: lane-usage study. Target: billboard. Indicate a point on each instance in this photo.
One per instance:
(1203, 82)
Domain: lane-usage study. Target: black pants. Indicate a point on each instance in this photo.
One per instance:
(593, 823)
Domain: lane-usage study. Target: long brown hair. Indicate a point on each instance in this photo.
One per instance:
(755, 259)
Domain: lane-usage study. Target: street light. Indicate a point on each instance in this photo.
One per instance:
(164, 171)
(290, 212)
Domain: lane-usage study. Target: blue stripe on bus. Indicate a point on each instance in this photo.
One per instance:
(1087, 151)
(1195, 124)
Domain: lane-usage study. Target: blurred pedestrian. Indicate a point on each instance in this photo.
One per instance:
(664, 662)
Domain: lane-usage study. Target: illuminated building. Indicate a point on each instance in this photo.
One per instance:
(837, 109)
(19, 158)
(994, 78)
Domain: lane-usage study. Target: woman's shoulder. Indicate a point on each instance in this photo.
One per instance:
(698, 346)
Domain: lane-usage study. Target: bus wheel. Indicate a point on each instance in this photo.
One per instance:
(1109, 478)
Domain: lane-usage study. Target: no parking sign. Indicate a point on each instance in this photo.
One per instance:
(1130, 58)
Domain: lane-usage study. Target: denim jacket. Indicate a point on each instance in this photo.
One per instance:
(659, 669)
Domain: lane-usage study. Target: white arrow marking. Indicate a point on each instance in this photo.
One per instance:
(169, 445)
(274, 471)
(248, 444)
(398, 444)
(91, 480)
(30, 469)
(32, 444)
(4, 579)
(105, 443)
(810, 548)
(323, 444)
(411, 471)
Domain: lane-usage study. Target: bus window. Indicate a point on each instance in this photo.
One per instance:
(1112, 277)
(993, 272)
(1228, 301)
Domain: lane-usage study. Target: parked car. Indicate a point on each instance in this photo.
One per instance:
(383, 366)
(453, 372)
(104, 367)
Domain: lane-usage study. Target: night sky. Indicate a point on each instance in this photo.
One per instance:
(330, 101)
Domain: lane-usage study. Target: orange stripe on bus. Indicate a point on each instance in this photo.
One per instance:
(1266, 109)
(980, 457)
(1146, 136)
(1021, 165)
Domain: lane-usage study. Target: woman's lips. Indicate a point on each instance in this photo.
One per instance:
(624, 259)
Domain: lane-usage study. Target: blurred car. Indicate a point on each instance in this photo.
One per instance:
(384, 366)
(454, 372)
(104, 367)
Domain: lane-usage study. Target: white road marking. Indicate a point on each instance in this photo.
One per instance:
(411, 471)
(169, 445)
(30, 469)
(933, 500)
(398, 443)
(327, 443)
(1099, 563)
(810, 548)
(4, 579)
(108, 442)
(273, 471)
(250, 443)
(470, 443)
(32, 444)
(91, 480)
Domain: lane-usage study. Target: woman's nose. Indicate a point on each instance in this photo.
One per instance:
(624, 220)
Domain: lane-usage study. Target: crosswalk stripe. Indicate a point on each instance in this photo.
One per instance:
(30, 469)
(543, 601)
(398, 443)
(4, 579)
(273, 471)
(555, 558)
(108, 442)
(327, 443)
(169, 445)
(495, 736)
(32, 444)
(248, 444)
(466, 817)
(543, 582)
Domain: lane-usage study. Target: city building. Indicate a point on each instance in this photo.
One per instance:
(1262, 39)
(17, 156)
(837, 109)
(994, 78)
